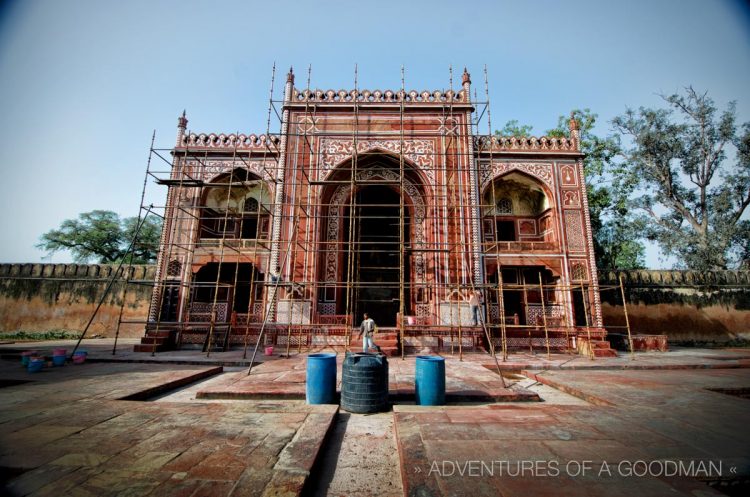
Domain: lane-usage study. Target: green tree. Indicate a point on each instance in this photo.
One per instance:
(103, 236)
(690, 166)
(512, 128)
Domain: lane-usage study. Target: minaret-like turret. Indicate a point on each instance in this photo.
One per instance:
(466, 83)
(182, 123)
(575, 133)
(289, 85)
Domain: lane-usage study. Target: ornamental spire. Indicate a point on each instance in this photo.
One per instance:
(182, 122)
(573, 124)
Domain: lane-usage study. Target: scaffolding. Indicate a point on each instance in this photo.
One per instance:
(383, 202)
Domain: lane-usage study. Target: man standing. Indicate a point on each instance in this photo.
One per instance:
(474, 303)
(367, 328)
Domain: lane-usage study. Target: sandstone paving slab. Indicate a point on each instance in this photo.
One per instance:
(285, 379)
(651, 416)
(652, 413)
(675, 358)
(91, 443)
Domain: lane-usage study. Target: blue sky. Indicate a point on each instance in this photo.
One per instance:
(84, 83)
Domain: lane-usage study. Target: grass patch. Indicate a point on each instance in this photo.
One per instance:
(37, 336)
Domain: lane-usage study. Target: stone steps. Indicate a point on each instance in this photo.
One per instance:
(600, 348)
(386, 340)
(160, 338)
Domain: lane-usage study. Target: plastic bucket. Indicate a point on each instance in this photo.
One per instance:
(36, 364)
(58, 352)
(429, 381)
(320, 384)
(269, 350)
(25, 356)
(58, 360)
(79, 357)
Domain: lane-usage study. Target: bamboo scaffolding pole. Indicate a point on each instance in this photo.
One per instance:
(501, 313)
(212, 326)
(627, 320)
(349, 310)
(588, 327)
(401, 193)
(129, 270)
(526, 312)
(544, 314)
(252, 297)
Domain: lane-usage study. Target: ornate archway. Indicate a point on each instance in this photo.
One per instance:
(336, 229)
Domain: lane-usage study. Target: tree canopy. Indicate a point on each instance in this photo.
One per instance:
(690, 168)
(103, 236)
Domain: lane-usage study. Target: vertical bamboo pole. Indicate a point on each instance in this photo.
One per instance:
(526, 311)
(627, 321)
(544, 314)
(501, 313)
(588, 326)
(568, 318)
(401, 238)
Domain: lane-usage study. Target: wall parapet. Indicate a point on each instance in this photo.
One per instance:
(377, 96)
(260, 143)
(675, 278)
(143, 272)
(484, 144)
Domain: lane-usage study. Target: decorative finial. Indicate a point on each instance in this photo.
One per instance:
(182, 121)
(466, 78)
(290, 75)
(573, 124)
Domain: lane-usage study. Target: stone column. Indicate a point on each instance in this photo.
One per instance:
(167, 227)
(278, 210)
(474, 194)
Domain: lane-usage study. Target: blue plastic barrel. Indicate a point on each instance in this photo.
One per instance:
(429, 381)
(320, 387)
(36, 364)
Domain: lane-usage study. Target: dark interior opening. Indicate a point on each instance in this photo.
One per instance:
(506, 231)
(205, 288)
(376, 242)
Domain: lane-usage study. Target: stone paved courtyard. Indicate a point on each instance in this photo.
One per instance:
(68, 431)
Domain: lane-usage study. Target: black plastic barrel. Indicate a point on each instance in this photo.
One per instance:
(429, 381)
(364, 383)
(320, 384)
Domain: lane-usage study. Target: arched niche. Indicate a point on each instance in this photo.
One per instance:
(517, 207)
(235, 205)
(378, 174)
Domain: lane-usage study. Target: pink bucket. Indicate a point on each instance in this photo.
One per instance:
(59, 352)
(79, 358)
(269, 350)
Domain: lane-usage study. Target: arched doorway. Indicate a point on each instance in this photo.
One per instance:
(372, 285)
(375, 243)
(235, 288)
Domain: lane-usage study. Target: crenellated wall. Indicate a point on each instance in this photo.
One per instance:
(44, 297)
(689, 307)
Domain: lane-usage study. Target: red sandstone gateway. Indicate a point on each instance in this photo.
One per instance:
(387, 202)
